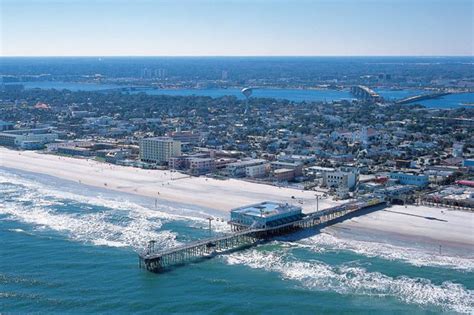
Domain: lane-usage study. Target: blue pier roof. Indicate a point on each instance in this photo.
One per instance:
(266, 209)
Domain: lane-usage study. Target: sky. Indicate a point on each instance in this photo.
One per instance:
(236, 27)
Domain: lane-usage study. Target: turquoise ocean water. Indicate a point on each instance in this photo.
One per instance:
(69, 248)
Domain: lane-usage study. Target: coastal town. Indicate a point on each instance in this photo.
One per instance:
(345, 149)
(237, 157)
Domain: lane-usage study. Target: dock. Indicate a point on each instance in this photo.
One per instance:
(156, 260)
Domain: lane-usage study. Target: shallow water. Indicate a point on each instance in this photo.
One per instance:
(71, 248)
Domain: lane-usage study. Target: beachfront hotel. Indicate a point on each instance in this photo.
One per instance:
(27, 138)
(159, 149)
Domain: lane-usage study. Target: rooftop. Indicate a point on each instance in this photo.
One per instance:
(247, 162)
(265, 209)
(167, 139)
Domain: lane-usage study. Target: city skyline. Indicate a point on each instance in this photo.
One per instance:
(236, 28)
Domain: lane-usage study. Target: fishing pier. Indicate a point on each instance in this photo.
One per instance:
(250, 226)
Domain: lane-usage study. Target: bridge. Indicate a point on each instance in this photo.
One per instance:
(242, 237)
(416, 98)
(364, 93)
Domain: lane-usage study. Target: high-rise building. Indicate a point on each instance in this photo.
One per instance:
(159, 149)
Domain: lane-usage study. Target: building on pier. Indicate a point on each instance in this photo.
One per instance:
(264, 214)
(251, 225)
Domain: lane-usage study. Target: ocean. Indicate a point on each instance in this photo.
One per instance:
(296, 95)
(70, 248)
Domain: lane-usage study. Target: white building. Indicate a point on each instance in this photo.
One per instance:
(27, 138)
(158, 149)
(341, 178)
(256, 171)
(457, 149)
(239, 169)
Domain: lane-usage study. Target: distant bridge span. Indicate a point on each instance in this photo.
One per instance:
(422, 97)
(365, 93)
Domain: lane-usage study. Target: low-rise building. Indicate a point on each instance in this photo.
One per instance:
(457, 149)
(410, 178)
(27, 138)
(284, 174)
(200, 166)
(256, 171)
(75, 151)
(5, 125)
(238, 169)
(453, 196)
(116, 155)
(297, 167)
(341, 178)
(184, 136)
(469, 164)
(195, 164)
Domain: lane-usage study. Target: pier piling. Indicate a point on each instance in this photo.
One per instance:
(241, 237)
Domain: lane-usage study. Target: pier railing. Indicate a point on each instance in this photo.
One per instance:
(159, 260)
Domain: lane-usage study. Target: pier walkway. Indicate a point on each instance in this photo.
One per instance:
(159, 260)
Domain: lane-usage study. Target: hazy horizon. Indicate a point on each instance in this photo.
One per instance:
(247, 56)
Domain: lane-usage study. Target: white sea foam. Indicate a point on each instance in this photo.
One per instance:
(414, 256)
(19, 231)
(353, 279)
(35, 191)
(94, 227)
(120, 223)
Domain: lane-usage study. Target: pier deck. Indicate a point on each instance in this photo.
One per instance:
(159, 260)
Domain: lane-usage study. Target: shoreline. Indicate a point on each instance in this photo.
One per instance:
(85, 190)
(201, 192)
(198, 196)
(416, 227)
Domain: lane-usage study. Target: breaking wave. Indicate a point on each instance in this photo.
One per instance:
(96, 219)
(414, 256)
(350, 279)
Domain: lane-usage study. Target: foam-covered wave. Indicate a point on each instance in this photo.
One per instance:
(35, 191)
(95, 219)
(94, 227)
(353, 279)
(414, 256)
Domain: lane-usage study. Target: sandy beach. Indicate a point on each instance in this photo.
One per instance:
(416, 225)
(221, 195)
(411, 224)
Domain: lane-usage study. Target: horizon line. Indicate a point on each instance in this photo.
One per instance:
(234, 56)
